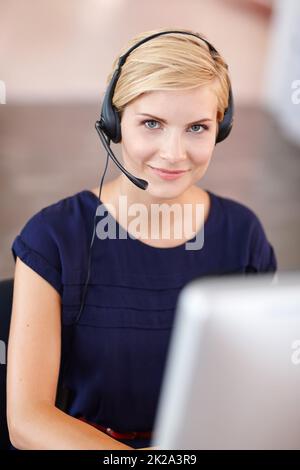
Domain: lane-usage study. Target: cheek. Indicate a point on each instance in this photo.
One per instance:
(134, 153)
(137, 148)
(203, 155)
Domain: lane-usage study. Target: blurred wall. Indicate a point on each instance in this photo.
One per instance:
(282, 89)
(62, 50)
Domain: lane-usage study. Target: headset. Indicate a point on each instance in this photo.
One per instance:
(109, 128)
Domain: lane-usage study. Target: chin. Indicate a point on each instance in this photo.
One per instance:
(162, 192)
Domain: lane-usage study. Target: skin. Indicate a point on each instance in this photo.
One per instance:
(171, 145)
(34, 422)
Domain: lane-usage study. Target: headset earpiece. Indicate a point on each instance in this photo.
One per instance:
(225, 125)
(110, 121)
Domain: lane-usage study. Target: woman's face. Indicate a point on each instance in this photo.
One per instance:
(170, 130)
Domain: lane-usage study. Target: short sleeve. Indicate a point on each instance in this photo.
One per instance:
(262, 256)
(36, 247)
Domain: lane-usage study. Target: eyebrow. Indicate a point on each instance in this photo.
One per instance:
(163, 120)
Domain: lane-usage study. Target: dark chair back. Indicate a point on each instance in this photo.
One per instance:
(6, 294)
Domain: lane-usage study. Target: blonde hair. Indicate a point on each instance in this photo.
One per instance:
(170, 62)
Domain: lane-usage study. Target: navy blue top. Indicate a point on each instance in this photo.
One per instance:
(121, 340)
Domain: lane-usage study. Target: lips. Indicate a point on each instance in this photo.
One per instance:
(169, 172)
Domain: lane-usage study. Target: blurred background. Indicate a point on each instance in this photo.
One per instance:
(55, 56)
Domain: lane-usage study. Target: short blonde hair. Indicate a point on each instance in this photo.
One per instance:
(170, 62)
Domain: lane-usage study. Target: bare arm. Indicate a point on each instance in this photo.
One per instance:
(34, 350)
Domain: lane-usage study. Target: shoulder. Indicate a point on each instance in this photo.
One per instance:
(243, 232)
(232, 211)
(52, 235)
(235, 218)
(58, 215)
(67, 208)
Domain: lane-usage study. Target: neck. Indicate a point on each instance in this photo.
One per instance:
(121, 189)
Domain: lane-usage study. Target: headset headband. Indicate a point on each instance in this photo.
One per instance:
(110, 119)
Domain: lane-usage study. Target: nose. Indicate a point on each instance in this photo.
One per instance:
(173, 149)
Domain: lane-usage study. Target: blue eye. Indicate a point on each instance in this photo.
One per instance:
(193, 126)
(199, 125)
(151, 120)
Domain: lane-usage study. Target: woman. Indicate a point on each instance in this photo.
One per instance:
(172, 95)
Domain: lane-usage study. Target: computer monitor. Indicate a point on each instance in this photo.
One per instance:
(232, 378)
